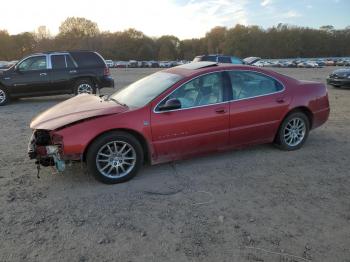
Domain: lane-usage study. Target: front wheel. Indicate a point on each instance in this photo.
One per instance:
(115, 157)
(293, 132)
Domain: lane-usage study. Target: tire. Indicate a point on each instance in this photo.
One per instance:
(84, 86)
(293, 132)
(4, 97)
(336, 86)
(110, 166)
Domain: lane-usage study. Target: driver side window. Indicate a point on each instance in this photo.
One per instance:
(33, 63)
(204, 90)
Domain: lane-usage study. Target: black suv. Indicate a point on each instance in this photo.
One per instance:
(54, 73)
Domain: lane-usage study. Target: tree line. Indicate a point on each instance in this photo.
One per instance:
(281, 41)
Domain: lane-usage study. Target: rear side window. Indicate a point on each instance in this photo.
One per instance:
(246, 84)
(58, 62)
(88, 59)
(61, 62)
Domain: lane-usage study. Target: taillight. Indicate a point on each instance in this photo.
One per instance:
(106, 71)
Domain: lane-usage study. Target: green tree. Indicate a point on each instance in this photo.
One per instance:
(168, 47)
(215, 39)
(78, 27)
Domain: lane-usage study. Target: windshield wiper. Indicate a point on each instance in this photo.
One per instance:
(115, 100)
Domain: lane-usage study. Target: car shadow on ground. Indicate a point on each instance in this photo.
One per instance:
(164, 175)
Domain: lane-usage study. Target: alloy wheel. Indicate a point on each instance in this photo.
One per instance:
(85, 89)
(294, 132)
(116, 159)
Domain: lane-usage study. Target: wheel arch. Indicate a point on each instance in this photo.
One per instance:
(143, 141)
(302, 109)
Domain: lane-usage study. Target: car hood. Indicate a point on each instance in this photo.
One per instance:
(75, 109)
(341, 72)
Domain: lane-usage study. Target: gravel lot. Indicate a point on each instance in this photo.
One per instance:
(245, 205)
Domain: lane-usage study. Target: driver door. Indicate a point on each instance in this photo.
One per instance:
(31, 76)
(200, 125)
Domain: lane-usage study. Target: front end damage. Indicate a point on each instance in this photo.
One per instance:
(46, 148)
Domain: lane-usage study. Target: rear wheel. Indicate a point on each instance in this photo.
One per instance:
(115, 157)
(4, 98)
(84, 86)
(293, 131)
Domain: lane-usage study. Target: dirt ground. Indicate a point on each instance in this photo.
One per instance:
(245, 205)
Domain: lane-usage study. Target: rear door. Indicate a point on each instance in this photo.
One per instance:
(259, 102)
(30, 77)
(63, 71)
(202, 123)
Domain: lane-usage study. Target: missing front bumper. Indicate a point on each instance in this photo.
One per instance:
(40, 148)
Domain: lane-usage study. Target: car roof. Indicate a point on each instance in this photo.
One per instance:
(215, 67)
(60, 52)
(195, 68)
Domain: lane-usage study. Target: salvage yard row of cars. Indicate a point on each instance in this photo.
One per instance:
(301, 63)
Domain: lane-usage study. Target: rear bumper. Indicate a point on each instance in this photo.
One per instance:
(338, 81)
(106, 81)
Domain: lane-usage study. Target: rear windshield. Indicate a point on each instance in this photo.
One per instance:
(88, 59)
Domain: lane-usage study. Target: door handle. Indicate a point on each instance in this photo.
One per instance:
(43, 74)
(72, 71)
(280, 100)
(220, 110)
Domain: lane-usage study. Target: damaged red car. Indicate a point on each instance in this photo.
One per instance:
(177, 113)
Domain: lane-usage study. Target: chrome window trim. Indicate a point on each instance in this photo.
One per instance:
(229, 101)
(53, 54)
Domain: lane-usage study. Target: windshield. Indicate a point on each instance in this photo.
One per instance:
(143, 91)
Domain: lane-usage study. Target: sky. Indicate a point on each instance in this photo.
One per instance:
(182, 18)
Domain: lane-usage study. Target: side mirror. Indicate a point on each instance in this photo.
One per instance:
(171, 104)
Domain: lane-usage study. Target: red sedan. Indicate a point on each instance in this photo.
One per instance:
(178, 113)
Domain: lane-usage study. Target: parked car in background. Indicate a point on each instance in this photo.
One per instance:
(218, 59)
(177, 113)
(4, 64)
(259, 63)
(330, 63)
(251, 60)
(308, 64)
(109, 63)
(53, 73)
(121, 64)
(340, 63)
(153, 64)
(132, 63)
(165, 64)
(339, 77)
